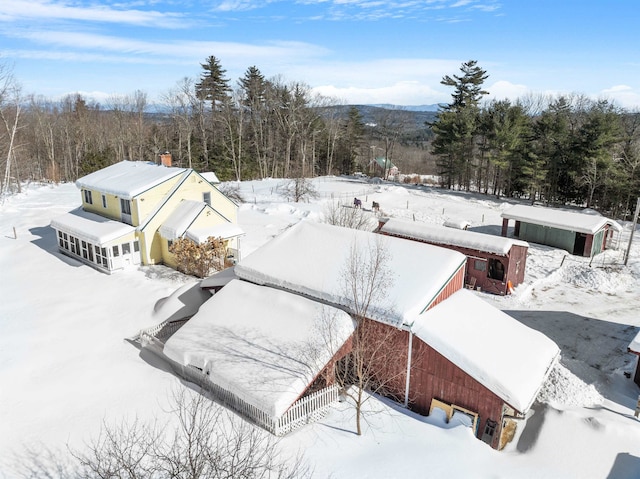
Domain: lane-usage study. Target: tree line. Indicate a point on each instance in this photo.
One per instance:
(563, 150)
(568, 150)
(256, 128)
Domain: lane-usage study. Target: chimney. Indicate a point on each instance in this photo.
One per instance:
(165, 159)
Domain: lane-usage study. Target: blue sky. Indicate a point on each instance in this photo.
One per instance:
(360, 51)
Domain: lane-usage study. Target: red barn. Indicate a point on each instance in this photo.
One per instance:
(450, 349)
(494, 264)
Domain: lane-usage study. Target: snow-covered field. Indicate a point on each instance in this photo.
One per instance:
(67, 366)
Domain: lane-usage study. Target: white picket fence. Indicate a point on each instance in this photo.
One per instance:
(305, 410)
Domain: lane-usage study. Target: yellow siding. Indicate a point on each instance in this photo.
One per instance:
(145, 203)
(96, 202)
(192, 188)
(169, 259)
(153, 248)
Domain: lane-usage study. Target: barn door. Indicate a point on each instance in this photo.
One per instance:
(489, 431)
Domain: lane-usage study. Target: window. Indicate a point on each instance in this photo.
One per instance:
(125, 206)
(85, 253)
(90, 250)
(104, 201)
(206, 197)
(99, 255)
(479, 265)
(126, 248)
(136, 246)
(87, 197)
(116, 251)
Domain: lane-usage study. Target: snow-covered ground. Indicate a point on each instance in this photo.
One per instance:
(67, 365)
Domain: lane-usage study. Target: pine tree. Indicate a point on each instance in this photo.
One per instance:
(213, 86)
(456, 125)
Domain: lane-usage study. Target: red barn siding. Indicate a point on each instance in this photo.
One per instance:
(514, 265)
(432, 376)
(455, 284)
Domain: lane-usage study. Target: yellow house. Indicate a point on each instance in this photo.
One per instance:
(132, 210)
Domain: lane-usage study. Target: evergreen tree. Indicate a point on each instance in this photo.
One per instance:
(456, 125)
(213, 86)
(353, 137)
(502, 126)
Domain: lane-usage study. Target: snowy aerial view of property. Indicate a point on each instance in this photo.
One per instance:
(319, 239)
(533, 381)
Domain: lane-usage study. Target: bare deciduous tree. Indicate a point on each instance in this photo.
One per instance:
(204, 441)
(338, 214)
(10, 118)
(298, 189)
(373, 365)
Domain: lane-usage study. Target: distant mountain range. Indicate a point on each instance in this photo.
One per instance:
(388, 106)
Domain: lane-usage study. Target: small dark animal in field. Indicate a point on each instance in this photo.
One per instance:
(357, 203)
(375, 206)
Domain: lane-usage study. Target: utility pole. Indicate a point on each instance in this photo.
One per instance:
(633, 229)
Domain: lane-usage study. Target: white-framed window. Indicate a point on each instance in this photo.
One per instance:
(87, 197)
(136, 246)
(126, 248)
(116, 251)
(206, 197)
(125, 206)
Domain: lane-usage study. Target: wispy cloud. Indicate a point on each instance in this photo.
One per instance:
(96, 47)
(46, 10)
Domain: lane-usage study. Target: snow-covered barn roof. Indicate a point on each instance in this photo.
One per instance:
(128, 178)
(450, 236)
(262, 344)
(505, 356)
(311, 258)
(90, 227)
(557, 218)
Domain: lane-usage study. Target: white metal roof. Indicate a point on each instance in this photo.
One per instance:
(504, 355)
(90, 227)
(557, 218)
(451, 236)
(210, 176)
(311, 258)
(262, 344)
(222, 230)
(179, 223)
(180, 219)
(128, 178)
